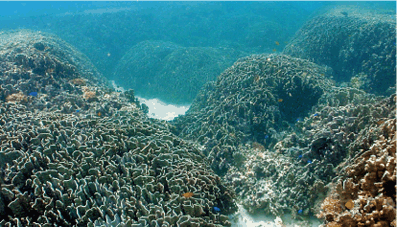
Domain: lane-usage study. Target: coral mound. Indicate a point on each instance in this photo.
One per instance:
(75, 153)
(172, 73)
(250, 101)
(358, 45)
(42, 71)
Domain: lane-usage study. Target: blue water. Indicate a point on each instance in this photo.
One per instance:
(104, 31)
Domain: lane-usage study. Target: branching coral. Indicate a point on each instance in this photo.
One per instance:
(370, 185)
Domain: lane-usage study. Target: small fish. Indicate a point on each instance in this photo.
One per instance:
(267, 137)
(299, 119)
(300, 211)
(280, 100)
(277, 43)
(77, 111)
(33, 93)
(187, 194)
(99, 114)
(349, 204)
(216, 209)
(309, 161)
(274, 50)
(300, 156)
(315, 115)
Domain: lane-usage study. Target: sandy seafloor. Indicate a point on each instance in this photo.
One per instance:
(157, 108)
(164, 111)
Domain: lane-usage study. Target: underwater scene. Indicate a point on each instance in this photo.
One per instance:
(189, 114)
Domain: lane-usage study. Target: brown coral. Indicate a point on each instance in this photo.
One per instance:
(330, 209)
(370, 185)
(17, 97)
(78, 81)
(89, 95)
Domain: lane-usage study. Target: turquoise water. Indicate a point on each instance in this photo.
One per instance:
(272, 98)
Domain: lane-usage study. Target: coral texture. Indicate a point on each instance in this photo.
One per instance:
(357, 44)
(369, 181)
(250, 102)
(69, 161)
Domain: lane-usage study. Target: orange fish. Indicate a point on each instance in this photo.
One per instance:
(99, 114)
(277, 43)
(280, 100)
(349, 204)
(187, 194)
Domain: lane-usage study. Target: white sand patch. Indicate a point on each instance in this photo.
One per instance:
(244, 219)
(157, 108)
(161, 110)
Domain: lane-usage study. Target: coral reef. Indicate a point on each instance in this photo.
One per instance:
(42, 64)
(172, 73)
(357, 44)
(251, 101)
(70, 161)
(280, 152)
(295, 174)
(75, 170)
(368, 182)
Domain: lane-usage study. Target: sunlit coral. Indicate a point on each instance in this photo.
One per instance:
(370, 189)
(89, 95)
(17, 97)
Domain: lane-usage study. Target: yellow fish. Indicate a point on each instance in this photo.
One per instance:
(277, 43)
(187, 194)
